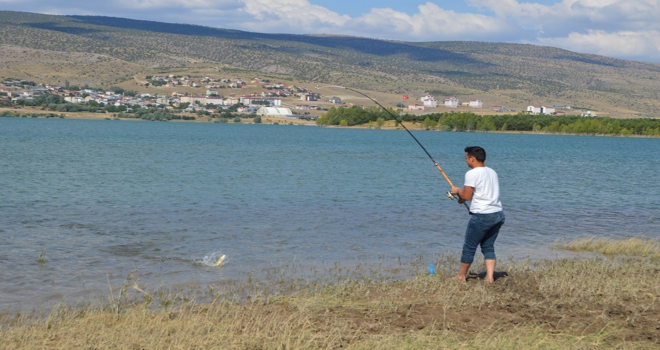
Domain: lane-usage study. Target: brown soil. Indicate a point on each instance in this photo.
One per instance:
(517, 302)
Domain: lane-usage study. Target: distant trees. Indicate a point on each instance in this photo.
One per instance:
(353, 116)
(429, 124)
(468, 121)
(157, 82)
(150, 114)
(549, 124)
(120, 91)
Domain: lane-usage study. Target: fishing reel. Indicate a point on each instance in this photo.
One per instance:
(460, 200)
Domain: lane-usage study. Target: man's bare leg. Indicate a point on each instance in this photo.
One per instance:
(462, 271)
(490, 270)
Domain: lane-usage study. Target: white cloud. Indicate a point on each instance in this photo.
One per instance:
(619, 28)
(624, 44)
(503, 8)
(588, 14)
(614, 14)
(298, 16)
(430, 23)
(188, 4)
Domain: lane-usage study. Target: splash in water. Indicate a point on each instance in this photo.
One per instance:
(214, 259)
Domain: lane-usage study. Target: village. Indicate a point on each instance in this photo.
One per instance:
(274, 99)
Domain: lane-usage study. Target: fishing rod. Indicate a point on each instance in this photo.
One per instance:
(448, 194)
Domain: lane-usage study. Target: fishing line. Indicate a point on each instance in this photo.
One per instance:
(448, 194)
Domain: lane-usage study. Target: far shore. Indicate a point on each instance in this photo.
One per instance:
(388, 125)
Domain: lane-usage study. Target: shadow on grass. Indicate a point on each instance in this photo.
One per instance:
(482, 275)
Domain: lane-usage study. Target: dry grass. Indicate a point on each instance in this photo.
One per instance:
(634, 246)
(593, 303)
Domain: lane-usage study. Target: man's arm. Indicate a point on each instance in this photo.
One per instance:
(463, 193)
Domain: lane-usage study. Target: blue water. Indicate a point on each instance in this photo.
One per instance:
(100, 199)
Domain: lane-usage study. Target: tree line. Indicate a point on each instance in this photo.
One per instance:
(467, 121)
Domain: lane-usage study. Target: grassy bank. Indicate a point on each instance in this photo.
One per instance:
(608, 301)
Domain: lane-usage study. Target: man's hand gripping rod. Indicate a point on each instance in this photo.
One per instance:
(448, 194)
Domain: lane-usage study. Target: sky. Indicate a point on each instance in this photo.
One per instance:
(628, 29)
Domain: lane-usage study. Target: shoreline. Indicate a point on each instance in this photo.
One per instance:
(389, 125)
(611, 301)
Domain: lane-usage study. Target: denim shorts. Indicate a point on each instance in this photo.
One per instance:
(482, 230)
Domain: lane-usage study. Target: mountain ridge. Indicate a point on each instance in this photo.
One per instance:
(499, 73)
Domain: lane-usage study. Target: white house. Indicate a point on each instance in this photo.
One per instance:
(274, 112)
(74, 99)
(547, 110)
(429, 101)
(451, 102)
(476, 104)
(416, 108)
(274, 101)
(193, 99)
(231, 101)
(215, 100)
(540, 110)
(249, 100)
(533, 110)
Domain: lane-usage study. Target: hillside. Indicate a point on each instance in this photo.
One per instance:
(104, 51)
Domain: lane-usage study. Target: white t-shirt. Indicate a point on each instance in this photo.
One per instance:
(486, 196)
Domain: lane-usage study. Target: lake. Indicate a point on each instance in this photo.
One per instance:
(98, 199)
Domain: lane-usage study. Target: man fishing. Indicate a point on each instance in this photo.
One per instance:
(482, 189)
